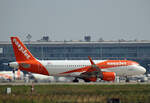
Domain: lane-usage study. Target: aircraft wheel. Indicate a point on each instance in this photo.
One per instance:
(127, 80)
(75, 80)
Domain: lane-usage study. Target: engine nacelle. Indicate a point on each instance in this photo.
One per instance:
(108, 76)
(13, 64)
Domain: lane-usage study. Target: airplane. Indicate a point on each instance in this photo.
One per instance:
(88, 70)
(45, 78)
(40, 77)
(9, 75)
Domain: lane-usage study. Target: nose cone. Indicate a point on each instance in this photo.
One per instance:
(142, 69)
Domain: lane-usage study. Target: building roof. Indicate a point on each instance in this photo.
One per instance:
(80, 42)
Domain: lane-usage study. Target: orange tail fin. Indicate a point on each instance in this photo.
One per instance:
(25, 59)
(20, 50)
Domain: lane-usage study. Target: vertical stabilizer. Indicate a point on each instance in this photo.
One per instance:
(20, 50)
(24, 59)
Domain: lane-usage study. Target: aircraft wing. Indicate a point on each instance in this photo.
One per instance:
(94, 72)
(91, 73)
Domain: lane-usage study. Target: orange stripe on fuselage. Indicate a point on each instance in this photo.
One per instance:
(115, 63)
(104, 65)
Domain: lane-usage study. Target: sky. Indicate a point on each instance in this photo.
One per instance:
(74, 19)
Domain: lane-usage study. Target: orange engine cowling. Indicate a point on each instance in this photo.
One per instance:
(108, 76)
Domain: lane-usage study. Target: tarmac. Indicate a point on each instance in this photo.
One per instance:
(71, 83)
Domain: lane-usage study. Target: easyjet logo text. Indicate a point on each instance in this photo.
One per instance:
(20, 48)
(116, 63)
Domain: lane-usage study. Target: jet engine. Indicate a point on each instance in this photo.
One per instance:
(13, 64)
(108, 76)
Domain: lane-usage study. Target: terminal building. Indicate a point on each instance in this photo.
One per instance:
(77, 50)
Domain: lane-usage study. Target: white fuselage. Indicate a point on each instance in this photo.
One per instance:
(55, 67)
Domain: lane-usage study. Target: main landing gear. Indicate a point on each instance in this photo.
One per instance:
(127, 79)
(75, 80)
